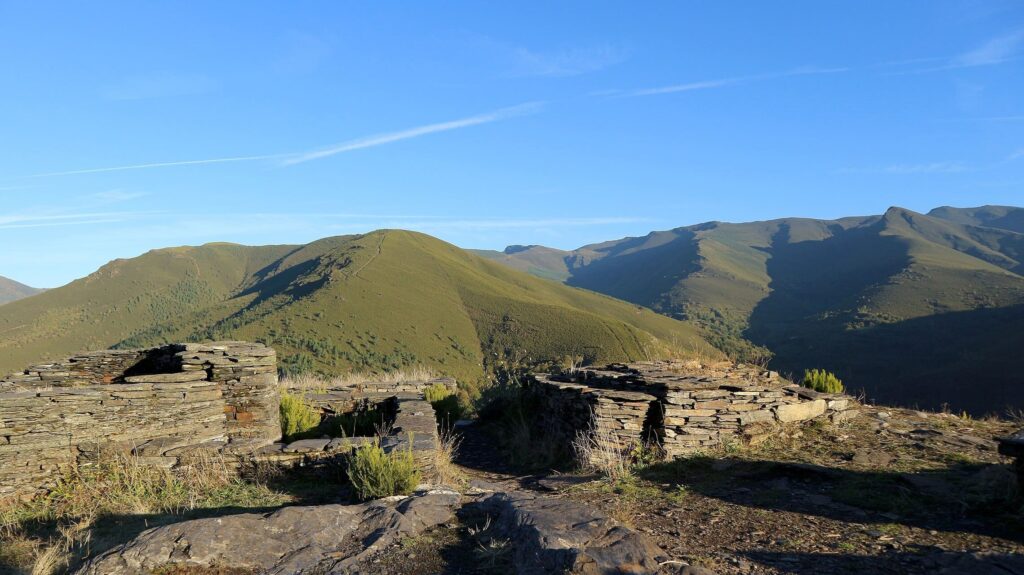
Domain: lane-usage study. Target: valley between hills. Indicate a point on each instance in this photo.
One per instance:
(918, 310)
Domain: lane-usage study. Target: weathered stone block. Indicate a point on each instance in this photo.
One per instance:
(800, 411)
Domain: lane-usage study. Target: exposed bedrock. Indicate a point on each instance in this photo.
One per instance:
(293, 540)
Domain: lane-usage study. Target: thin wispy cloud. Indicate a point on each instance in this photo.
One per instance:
(160, 165)
(70, 219)
(1017, 154)
(929, 168)
(566, 62)
(388, 138)
(292, 158)
(724, 82)
(994, 51)
(117, 195)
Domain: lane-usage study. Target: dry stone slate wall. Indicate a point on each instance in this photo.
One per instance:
(411, 423)
(687, 407)
(160, 402)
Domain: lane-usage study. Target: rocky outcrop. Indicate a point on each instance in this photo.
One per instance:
(325, 539)
(552, 536)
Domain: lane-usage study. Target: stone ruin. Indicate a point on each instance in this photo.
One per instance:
(682, 406)
(165, 404)
(410, 422)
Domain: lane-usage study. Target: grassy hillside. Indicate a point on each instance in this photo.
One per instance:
(11, 290)
(537, 260)
(378, 301)
(862, 296)
(1000, 217)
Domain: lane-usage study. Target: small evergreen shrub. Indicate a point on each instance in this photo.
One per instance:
(298, 418)
(375, 474)
(446, 404)
(823, 381)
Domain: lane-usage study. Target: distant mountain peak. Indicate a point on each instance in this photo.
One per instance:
(11, 290)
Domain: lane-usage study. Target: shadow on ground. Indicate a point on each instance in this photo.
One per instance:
(974, 498)
(925, 560)
(110, 530)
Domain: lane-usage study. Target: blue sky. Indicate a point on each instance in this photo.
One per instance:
(132, 126)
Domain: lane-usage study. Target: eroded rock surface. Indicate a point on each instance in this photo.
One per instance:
(560, 536)
(292, 540)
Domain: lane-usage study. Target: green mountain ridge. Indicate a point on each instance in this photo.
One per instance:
(862, 296)
(11, 290)
(384, 300)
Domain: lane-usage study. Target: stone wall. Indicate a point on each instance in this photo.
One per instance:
(159, 402)
(613, 419)
(686, 407)
(411, 423)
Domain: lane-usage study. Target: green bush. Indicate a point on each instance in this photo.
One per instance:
(447, 406)
(823, 381)
(298, 418)
(361, 422)
(375, 474)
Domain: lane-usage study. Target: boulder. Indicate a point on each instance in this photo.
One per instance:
(800, 411)
(560, 536)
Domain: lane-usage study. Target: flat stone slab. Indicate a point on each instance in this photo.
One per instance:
(181, 377)
(349, 442)
(306, 445)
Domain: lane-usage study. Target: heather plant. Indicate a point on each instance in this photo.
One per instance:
(446, 404)
(298, 418)
(375, 474)
(823, 381)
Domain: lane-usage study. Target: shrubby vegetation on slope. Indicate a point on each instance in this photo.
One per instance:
(894, 303)
(378, 302)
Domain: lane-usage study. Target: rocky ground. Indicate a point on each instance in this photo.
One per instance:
(893, 491)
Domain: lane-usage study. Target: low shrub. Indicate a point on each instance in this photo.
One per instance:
(823, 381)
(361, 422)
(447, 406)
(375, 474)
(298, 418)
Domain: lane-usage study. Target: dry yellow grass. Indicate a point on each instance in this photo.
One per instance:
(119, 484)
(319, 383)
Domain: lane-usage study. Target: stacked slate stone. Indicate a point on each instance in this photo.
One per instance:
(412, 425)
(162, 404)
(91, 368)
(393, 387)
(247, 374)
(687, 405)
(45, 432)
(415, 428)
(347, 398)
(613, 419)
